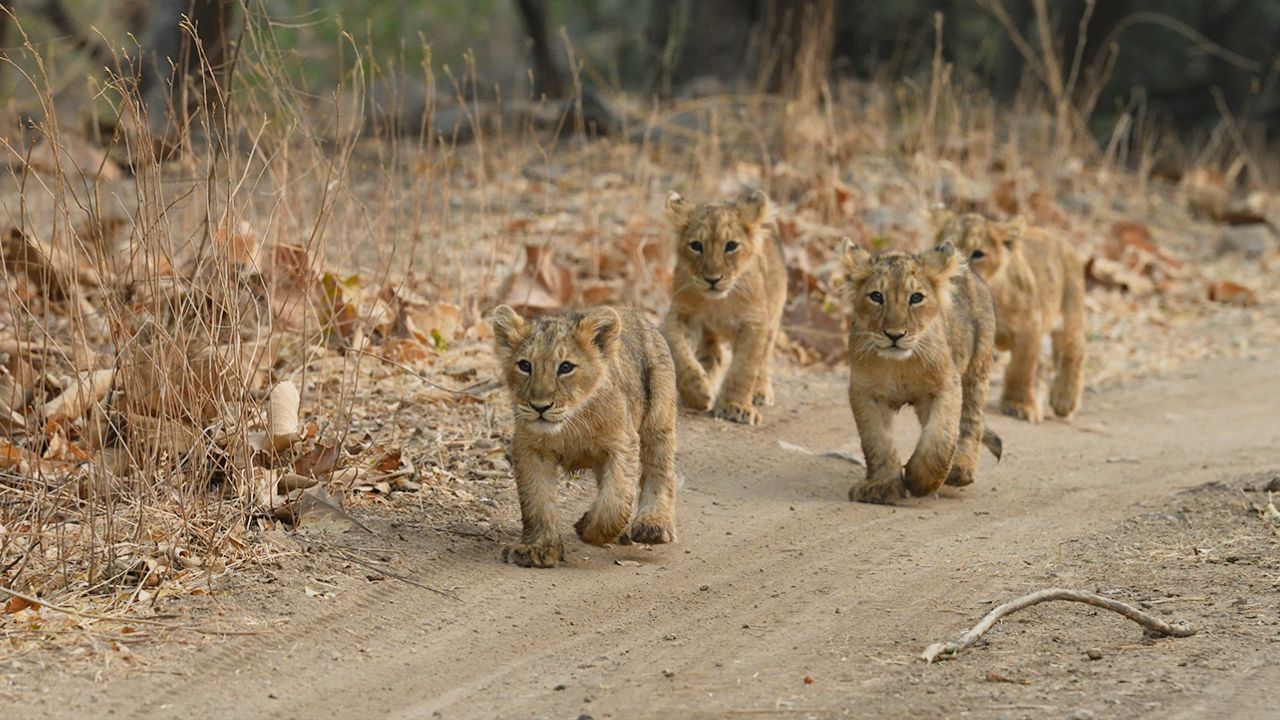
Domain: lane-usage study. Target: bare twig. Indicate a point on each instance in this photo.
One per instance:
(395, 576)
(948, 650)
(474, 390)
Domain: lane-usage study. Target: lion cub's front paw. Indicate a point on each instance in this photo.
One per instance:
(695, 395)
(763, 396)
(736, 412)
(960, 476)
(652, 530)
(595, 532)
(545, 554)
(1022, 410)
(879, 493)
(1063, 404)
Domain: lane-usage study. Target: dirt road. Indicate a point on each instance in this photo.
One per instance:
(776, 576)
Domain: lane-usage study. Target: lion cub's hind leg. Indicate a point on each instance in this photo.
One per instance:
(1068, 357)
(964, 467)
(1019, 397)
(655, 520)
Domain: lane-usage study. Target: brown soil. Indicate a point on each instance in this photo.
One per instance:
(1149, 496)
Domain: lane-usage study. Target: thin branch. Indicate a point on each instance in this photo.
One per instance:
(396, 576)
(474, 390)
(948, 650)
(996, 8)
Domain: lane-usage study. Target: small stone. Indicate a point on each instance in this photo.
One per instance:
(1080, 714)
(1273, 485)
(668, 673)
(1093, 654)
(705, 588)
(559, 687)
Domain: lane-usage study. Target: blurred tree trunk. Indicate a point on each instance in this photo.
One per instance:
(718, 34)
(179, 72)
(795, 55)
(660, 38)
(546, 73)
(772, 45)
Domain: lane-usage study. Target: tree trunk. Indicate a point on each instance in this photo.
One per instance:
(172, 59)
(716, 40)
(546, 73)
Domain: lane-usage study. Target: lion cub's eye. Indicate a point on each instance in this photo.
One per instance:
(916, 298)
(525, 366)
(730, 246)
(977, 255)
(877, 298)
(695, 246)
(566, 367)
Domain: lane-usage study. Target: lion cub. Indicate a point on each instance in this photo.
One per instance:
(597, 390)
(921, 334)
(730, 284)
(1037, 283)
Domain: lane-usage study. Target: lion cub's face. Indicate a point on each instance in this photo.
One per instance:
(987, 244)
(716, 241)
(553, 365)
(895, 297)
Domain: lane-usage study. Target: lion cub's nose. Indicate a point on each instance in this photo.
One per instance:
(893, 336)
(712, 281)
(541, 408)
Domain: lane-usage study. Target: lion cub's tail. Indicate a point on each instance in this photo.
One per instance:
(993, 443)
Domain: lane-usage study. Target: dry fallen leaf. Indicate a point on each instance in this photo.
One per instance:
(89, 388)
(541, 287)
(1231, 293)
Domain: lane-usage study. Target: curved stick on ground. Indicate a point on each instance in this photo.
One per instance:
(948, 650)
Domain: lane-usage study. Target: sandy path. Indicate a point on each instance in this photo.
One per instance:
(775, 577)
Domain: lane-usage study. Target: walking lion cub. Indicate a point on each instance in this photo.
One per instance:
(921, 334)
(597, 390)
(730, 284)
(1037, 284)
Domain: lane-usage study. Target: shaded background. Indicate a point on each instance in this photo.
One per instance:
(1183, 61)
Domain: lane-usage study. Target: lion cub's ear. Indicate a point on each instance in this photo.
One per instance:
(753, 207)
(856, 260)
(508, 327)
(601, 327)
(678, 211)
(941, 263)
(1010, 233)
(939, 217)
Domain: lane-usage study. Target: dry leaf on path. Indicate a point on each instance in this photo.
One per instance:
(89, 388)
(541, 287)
(1231, 293)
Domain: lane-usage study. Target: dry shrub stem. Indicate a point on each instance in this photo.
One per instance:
(947, 650)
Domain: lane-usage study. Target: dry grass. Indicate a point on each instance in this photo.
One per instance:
(163, 305)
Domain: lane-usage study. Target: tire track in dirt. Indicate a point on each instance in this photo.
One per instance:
(797, 580)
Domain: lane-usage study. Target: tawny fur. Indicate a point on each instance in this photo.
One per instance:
(921, 334)
(1037, 284)
(729, 286)
(596, 390)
